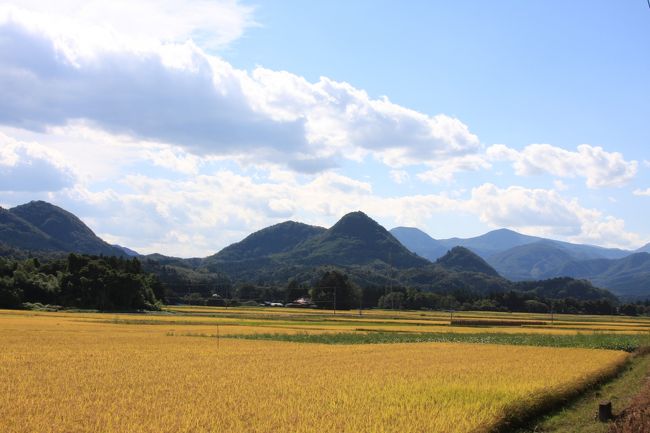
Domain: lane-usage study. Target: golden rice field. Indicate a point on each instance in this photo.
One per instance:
(89, 372)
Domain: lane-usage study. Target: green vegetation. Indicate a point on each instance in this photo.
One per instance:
(101, 283)
(276, 239)
(579, 415)
(290, 260)
(463, 260)
(628, 276)
(41, 226)
(628, 343)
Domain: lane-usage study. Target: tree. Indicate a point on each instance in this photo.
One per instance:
(334, 290)
(392, 301)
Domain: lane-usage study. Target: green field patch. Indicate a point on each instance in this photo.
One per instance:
(628, 343)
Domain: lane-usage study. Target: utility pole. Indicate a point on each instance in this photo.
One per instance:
(360, 300)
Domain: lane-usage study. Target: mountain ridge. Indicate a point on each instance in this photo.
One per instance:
(52, 228)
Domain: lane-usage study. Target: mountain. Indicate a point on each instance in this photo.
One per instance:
(41, 226)
(461, 259)
(128, 251)
(495, 242)
(359, 246)
(275, 239)
(419, 242)
(18, 233)
(355, 239)
(628, 277)
(644, 249)
(491, 242)
(533, 261)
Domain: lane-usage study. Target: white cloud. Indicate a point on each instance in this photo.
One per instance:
(536, 211)
(31, 167)
(598, 167)
(210, 23)
(642, 192)
(181, 96)
(399, 176)
(546, 213)
(223, 207)
(446, 170)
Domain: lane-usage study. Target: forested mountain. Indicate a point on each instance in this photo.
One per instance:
(493, 243)
(275, 239)
(41, 226)
(356, 244)
(628, 277)
(128, 251)
(532, 261)
(18, 233)
(355, 239)
(520, 257)
(463, 260)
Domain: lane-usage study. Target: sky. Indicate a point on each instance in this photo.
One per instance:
(180, 127)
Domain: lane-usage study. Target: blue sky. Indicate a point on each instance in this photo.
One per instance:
(185, 131)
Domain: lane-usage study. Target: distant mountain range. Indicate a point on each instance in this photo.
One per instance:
(520, 257)
(370, 254)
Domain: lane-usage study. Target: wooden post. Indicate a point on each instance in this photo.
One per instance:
(605, 411)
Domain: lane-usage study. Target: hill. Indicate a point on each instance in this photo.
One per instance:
(17, 233)
(275, 239)
(355, 239)
(463, 260)
(39, 226)
(290, 251)
(69, 232)
(531, 261)
(628, 277)
(128, 251)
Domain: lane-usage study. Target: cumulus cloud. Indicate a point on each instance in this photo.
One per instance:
(598, 167)
(178, 94)
(546, 213)
(446, 170)
(31, 167)
(200, 107)
(533, 210)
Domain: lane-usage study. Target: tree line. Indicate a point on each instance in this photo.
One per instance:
(333, 288)
(116, 283)
(79, 281)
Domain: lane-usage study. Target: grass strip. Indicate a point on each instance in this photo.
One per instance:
(596, 340)
(579, 416)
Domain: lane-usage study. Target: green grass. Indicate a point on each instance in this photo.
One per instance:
(627, 343)
(579, 416)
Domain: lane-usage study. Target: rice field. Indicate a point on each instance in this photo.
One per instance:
(63, 372)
